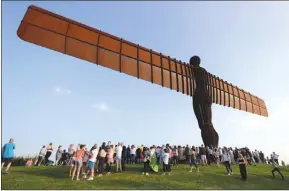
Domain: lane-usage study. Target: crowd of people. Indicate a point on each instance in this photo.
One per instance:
(83, 161)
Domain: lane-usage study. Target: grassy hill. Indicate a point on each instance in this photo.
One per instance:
(209, 177)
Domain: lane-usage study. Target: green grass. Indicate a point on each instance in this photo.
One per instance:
(209, 177)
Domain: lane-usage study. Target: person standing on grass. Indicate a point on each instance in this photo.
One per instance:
(41, 155)
(231, 154)
(107, 147)
(146, 161)
(92, 159)
(49, 151)
(8, 154)
(217, 157)
(138, 151)
(203, 155)
(187, 154)
(58, 155)
(84, 161)
(101, 160)
(166, 162)
(79, 154)
(242, 165)
(72, 159)
(175, 156)
(132, 154)
(194, 160)
(226, 161)
(118, 157)
(123, 157)
(110, 155)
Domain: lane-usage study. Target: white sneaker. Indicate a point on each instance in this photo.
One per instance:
(90, 178)
(147, 174)
(229, 174)
(84, 176)
(190, 171)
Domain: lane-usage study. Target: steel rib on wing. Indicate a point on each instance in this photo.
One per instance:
(58, 33)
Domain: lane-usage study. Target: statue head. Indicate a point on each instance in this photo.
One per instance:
(195, 61)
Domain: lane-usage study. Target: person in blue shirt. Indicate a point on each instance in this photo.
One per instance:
(8, 154)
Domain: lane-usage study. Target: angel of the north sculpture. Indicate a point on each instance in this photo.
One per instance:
(58, 33)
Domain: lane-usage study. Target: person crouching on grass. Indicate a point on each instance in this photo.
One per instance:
(79, 154)
(242, 165)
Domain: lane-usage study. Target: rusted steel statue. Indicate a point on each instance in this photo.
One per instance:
(60, 34)
(202, 104)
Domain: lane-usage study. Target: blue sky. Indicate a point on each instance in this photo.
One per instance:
(51, 97)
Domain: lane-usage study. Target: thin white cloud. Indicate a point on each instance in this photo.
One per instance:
(101, 107)
(62, 90)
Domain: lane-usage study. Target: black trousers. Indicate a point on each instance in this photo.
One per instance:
(146, 166)
(228, 166)
(48, 154)
(123, 163)
(176, 160)
(166, 167)
(243, 171)
(277, 169)
(101, 164)
(40, 158)
(194, 162)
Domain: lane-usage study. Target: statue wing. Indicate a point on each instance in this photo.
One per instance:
(60, 34)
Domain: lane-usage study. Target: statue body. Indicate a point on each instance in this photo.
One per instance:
(202, 104)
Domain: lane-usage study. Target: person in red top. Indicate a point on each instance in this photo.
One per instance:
(79, 154)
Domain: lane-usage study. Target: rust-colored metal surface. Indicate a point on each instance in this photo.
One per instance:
(58, 33)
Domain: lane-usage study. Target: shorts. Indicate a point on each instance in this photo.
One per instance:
(7, 160)
(77, 163)
(90, 165)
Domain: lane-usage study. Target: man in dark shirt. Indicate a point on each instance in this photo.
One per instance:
(138, 151)
(128, 160)
(123, 157)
